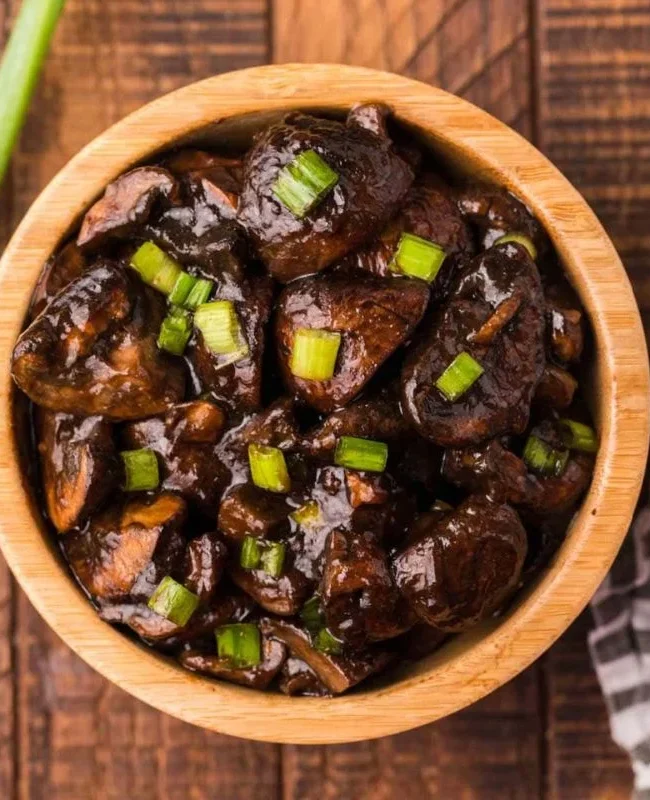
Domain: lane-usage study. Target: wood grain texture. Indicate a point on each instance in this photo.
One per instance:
(595, 125)
(79, 736)
(479, 49)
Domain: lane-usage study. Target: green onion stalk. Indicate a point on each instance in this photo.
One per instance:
(20, 68)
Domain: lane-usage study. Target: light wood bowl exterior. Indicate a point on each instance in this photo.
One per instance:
(471, 665)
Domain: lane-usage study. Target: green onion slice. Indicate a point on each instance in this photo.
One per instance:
(460, 375)
(362, 454)
(250, 555)
(544, 459)
(273, 558)
(173, 601)
(303, 183)
(314, 353)
(312, 615)
(579, 436)
(199, 293)
(155, 267)
(21, 65)
(307, 515)
(418, 257)
(175, 332)
(220, 327)
(181, 289)
(326, 642)
(140, 470)
(268, 468)
(519, 238)
(240, 644)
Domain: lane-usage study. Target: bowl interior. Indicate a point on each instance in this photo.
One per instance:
(469, 142)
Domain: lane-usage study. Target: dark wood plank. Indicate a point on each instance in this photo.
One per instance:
(7, 685)
(594, 112)
(79, 737)
(481, 49)
(583, 760)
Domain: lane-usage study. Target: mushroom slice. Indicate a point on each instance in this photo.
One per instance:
(360, 599)
(564, 321)
(249, 511)
(126, 204)
(459, 570)
(236, 379)
(430, 212)
(152, 627)
(124, 552)
(372, 182)
(495, 212)
(79, 465)
(93, 350)
(556, 388)
(373, 315)
(298, 679)
(284, 596)
(65, 265)
(274, 654)
(374, 417)
(337, 672)
(185, 440)
(498, 402)
(205, 561)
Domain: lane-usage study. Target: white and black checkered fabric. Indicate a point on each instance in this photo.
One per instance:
(620, 648)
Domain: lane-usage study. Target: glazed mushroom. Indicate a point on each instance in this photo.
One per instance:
(93, 350)
(235, 379)
(79, 466)
(260, 676)
(490, 393)
(459, 570)
(64, 266)
(429, 212)
(371, 181)
(283, 595)
(249, 511)
(298, 679)
(205, 562)
(337, 672)
(125, 551)
(126, 205)
(184, 440)
(373, 316)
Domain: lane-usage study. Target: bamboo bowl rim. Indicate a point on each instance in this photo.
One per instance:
(472, 665)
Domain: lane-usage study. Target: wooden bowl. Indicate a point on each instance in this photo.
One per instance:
(231, 106)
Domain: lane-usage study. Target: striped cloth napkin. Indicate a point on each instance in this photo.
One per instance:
(620, 647)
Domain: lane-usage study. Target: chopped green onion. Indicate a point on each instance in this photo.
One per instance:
(268, 468)
(181, 289)
(418, 257)
(273, 558)
(303, 183)
(326, 642)
(312, 615)
(460, 375)
(199, 293)
(140, 470)
(314, 353)
(544, 459)
(240, 644)
(362, 454)
(173, 601)
(155, 267)
(519, 238)
(175, 332)
(250, 555)
(307, 515)
(579, 436)
(21, 65)
(219, 325)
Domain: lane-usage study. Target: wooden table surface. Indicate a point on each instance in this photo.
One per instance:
(573, 76)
